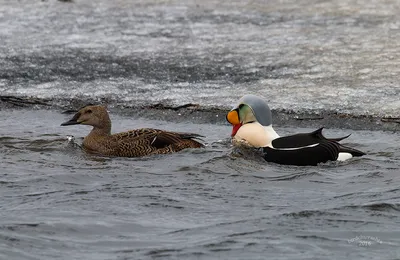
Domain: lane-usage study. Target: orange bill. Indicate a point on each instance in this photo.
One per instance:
(233, 117)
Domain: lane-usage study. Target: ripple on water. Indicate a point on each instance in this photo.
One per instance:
(207, 203)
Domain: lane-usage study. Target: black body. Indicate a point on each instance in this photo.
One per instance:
(306, 149)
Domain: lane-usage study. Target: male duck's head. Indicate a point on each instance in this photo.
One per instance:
(93, 115)
(249, 109)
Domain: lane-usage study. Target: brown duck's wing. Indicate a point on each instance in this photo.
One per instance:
(137, 133)
(157, 137)
(146, 141)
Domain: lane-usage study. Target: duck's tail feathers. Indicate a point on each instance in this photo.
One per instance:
(338, 139)
(194, 140)
(318, 133)
(190, 136)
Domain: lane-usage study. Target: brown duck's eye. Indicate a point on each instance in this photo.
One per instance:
(89, 111)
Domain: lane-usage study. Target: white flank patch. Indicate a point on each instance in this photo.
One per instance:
(296, 148)
(344, 156)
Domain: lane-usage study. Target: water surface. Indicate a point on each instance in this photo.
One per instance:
(338, 59)
(59, 202)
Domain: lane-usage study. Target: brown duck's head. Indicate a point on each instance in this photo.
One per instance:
(94, 115)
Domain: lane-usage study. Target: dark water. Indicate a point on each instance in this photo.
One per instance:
(58, 202)
(308, 57)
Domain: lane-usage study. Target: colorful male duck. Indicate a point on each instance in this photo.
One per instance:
(252, 126)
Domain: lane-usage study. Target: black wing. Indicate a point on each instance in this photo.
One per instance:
(301, 140)
(309, 155)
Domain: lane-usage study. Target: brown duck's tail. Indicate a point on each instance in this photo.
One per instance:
(187, 140)
(190, 136)
(192, 140)
(190, 143)
(180, 140)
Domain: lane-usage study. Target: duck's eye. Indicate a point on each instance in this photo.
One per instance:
(88, 111)
(241, 105)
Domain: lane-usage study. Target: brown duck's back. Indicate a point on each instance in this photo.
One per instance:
(140, 142)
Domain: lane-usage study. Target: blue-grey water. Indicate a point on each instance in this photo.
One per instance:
(304, 57)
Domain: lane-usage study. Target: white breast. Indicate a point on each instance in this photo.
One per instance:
(256, 135)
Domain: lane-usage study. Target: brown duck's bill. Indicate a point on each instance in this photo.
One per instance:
(71, 122)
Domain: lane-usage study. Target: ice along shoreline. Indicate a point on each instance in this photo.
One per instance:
(210, 115)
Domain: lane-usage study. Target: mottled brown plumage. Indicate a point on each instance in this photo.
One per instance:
(134, 143)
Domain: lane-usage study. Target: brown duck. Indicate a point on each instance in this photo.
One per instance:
(134, 143)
